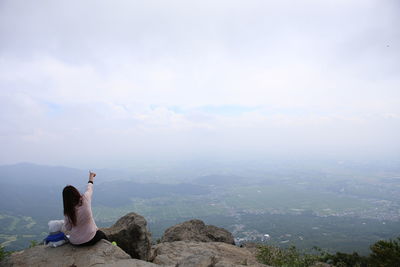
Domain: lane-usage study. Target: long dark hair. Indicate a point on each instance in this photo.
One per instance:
(71, 198)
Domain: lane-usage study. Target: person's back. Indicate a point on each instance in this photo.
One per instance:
(78, 215)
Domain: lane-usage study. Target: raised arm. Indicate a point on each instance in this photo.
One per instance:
(89, 191)
(91, 176)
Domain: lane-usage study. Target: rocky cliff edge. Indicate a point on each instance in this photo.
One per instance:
(189, 244)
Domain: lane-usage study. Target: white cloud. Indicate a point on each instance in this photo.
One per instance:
(117, 81)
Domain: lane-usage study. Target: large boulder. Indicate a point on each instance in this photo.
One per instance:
(202, 254)
(196, 230)
(131, 234)
(102, 253)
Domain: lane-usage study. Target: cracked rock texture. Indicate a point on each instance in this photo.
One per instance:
(197, 230)
(202, 254)
(189, 244)
(131, 234)
(103, 253)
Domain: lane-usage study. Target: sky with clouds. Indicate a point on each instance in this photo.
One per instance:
(107, 83)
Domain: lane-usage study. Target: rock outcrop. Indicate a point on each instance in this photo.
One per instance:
(196, 230)
(103, 253)
(202, 254)
(189, 244)
(131, 234)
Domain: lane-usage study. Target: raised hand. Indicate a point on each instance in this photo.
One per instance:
(91, 176)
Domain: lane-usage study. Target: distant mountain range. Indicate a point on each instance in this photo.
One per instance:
(35, 190)
(34, 174)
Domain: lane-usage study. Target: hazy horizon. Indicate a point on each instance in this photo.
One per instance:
(109, 85)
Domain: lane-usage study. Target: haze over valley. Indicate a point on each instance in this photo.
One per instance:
(277, 120)
(338, 206)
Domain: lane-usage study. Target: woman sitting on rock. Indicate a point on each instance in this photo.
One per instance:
(78, 215)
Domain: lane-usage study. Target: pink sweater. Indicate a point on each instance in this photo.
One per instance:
(85, 228)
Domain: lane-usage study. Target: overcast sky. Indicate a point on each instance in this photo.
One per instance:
(107, 83)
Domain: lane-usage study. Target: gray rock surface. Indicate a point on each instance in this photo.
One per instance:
(133, 239)
(103, 253)
(202, 254)
(196, 230)
(133, 263)
(131, 234)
